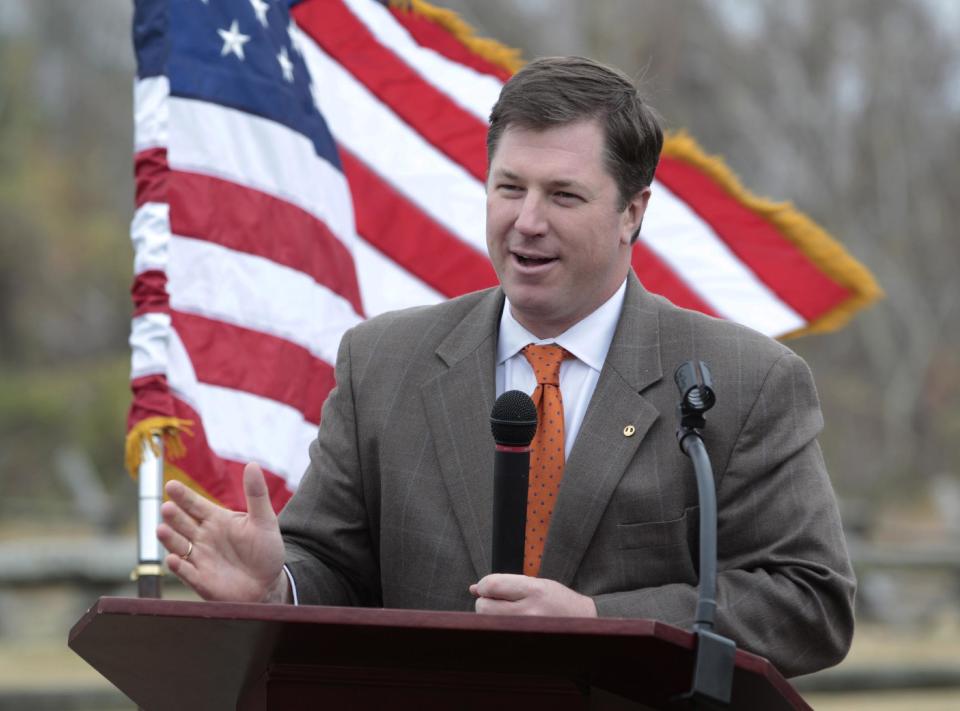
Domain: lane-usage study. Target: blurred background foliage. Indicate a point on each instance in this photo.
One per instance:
(851, 110)
(65, 259)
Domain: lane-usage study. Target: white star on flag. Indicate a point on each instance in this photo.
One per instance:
(285, 64)
(294, 38)
(261, 7)
(233, 40)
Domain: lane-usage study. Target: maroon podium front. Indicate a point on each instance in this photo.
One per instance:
(166, 654)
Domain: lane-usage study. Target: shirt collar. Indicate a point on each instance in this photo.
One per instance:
(588, 340)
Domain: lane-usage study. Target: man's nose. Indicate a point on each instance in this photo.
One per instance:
(532, 218)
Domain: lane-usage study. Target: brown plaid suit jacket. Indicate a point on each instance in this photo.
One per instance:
(395, 507)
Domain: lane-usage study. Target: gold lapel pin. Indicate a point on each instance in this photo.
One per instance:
(629, 430)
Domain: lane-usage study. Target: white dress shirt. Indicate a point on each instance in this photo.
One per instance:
(587, 340)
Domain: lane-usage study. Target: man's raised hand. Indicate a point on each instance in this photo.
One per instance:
(236, 557)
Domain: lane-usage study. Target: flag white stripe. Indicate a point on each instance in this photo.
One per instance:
(401, 156)
(232, 145)
(245, 290)
(148, 344)
(386, 286)
(151, 117)
(245, 427)
(465, 86)
(150, 232)
(683, 240)
(241, 426)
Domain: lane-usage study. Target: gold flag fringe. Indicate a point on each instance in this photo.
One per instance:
(823, 250)
(171, 429)
(494, 52)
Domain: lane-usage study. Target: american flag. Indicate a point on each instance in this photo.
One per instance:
(304, 165)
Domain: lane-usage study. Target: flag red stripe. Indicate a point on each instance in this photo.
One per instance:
(430, 34)
(151, 398)
(455, 132)
(254, 362)
(657, 276)
(410, 237)
(253, 222)
(755, 241)
(150, 169)
(149, 292)
(221, 478)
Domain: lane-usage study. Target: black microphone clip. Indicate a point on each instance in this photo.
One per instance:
(696, 394)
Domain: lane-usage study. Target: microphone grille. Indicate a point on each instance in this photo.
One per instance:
(513, 419)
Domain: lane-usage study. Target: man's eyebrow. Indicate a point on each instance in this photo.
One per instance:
(508, 174)
(558, 183)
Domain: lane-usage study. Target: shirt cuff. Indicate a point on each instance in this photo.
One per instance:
(293, 585)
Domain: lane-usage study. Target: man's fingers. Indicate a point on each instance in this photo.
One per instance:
(503, 586)
(188, 573)
(491, 606)
(520, 595)
(190, 501)
(174, 542)
(179, 520)
(258, 496)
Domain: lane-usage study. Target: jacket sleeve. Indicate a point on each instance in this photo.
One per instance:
(326, 525)
(785, 586)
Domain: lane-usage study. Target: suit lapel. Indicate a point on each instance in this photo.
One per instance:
(603, 451)
(457, 404)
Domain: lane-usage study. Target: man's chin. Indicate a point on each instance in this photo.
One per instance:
(536, 314)
(534, 302)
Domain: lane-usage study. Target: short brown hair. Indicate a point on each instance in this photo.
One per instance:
(553, 91)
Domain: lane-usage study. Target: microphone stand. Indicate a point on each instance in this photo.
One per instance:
(713, 668)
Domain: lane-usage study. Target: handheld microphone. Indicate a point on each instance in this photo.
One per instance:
(514, 423)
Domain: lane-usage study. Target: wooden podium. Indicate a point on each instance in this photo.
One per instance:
(167, 654)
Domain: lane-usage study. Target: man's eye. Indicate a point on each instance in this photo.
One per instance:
(509, 188)
(567, 196)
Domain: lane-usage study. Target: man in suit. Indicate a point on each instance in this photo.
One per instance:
(395, 508)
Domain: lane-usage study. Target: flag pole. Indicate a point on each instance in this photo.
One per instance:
(150, 487)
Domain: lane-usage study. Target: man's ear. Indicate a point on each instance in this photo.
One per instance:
(632, 215)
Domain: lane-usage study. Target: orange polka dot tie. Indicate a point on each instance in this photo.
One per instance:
(546, 453)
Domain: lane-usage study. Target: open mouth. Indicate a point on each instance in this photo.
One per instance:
(533, 261)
